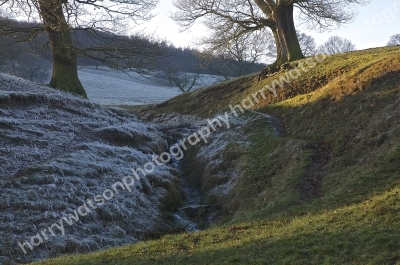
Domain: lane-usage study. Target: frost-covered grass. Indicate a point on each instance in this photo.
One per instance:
(57, 151)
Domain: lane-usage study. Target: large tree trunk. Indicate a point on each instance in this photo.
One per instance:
(287, 43)
(287, 32)
(65, 67)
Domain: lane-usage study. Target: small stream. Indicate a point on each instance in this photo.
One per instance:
(193, 215)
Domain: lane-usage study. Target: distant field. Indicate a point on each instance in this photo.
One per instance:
(109, 87)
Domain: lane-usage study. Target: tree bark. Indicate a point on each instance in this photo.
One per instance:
(287, 44)
(281, 48)
(287, 32)
(65, 67)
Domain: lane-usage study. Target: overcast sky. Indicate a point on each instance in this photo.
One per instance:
(373, 26)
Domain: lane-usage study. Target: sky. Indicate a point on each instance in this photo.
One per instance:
(372, 27)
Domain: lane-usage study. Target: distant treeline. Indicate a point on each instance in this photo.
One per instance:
(25, 52)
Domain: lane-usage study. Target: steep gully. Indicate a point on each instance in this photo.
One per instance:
(194, 214)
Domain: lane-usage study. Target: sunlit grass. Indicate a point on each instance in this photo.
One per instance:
(351, 104)
(342, 70)
(363, 233)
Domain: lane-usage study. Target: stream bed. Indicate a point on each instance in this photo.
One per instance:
(194, 215)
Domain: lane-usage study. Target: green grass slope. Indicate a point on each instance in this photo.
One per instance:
(324, 191)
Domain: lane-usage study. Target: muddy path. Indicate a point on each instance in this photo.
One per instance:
(310, 186)
(310, 183)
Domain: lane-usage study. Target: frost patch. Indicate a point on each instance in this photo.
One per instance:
(59, 151)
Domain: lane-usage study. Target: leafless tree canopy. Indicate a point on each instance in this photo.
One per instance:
(307, 44)
(249, 46)
(336, 45)
(102, 15)
(62, 18)
(256, 14)
(394, 40)
(90, 18)
(231, 57)
(327, 14)
(236, 18)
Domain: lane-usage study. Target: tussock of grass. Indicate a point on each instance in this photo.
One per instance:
(348, 104)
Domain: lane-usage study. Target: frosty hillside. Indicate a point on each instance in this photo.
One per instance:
(57, 151)
(65, 165)
(64, 185)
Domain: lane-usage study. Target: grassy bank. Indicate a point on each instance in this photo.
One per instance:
(325, 191)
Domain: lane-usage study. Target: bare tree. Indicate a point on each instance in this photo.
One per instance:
(185, 81)
(307, 44)
(394, 40)
(252, 15)
(59, 17)
(232, 57)
(336, 45)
